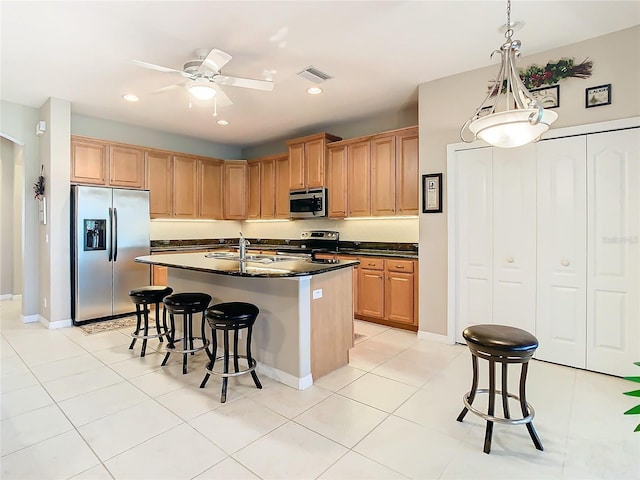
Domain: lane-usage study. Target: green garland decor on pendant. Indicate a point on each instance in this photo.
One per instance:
(634, 393)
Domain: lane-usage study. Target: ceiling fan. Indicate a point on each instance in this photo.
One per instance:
(204, 77)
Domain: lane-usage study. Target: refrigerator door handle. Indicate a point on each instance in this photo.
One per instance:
(115, 234)
(110, 233)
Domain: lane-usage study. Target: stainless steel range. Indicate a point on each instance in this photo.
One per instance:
(319, 241)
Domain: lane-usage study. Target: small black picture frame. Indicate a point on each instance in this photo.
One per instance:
(597, 96)
(549, 97)
(432, 193)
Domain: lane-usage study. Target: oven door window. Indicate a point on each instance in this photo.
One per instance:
(305, 205)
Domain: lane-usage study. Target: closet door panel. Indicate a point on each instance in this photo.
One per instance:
(474, 242)
(613, 279)
(514, 237)
(562, 251)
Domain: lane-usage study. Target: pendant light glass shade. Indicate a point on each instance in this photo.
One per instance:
(509, 116)
(201, 91)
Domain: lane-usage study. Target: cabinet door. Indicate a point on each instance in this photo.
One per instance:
(126, 167)
(253, 210)
(159, 182)
(399, 297)
(337, 182)
(185, 187)
(88, 162)
(562, 251)
(358, 179)
(473, 238)
(383, 176)
(613, 245)
(282, 187)
(296, 166)
(407, 178)
(210, 188)
(371, 292)
(268, 189)
(235, 190)
(514, 237)
(314, 153)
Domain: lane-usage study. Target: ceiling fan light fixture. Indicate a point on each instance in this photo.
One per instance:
(130, 97)
(202, 91)
(514, 117)
(314, 90)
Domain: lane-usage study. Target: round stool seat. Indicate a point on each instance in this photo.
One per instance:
(150, 294)
(232, 312)
(187, 302)
(500, 337)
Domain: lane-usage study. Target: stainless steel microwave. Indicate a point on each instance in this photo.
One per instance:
(308, 203)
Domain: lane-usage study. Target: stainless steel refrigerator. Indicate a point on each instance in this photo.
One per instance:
(109, 228)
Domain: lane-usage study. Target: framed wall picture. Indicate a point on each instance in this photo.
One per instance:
(549, 97)
(598, 96)
(432, 193)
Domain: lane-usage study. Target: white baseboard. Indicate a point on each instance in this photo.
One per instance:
(54, 325)
(5, 296)
(30, 318)
(17, 298)
(299, 383)
(435, 337)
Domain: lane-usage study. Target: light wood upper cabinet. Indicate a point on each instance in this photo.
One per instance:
(254, 169)
(210, 173)
(268, 189)
(383, 175)
(96, 162)
(185, 187)
(358, 179)
(307, 157)
(235, 190)
(160, 183)
(337, 181)
(88, 161)
(407, 168)
(282, 186)
(126, 167)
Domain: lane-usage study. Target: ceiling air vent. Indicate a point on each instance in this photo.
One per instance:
(313, 74)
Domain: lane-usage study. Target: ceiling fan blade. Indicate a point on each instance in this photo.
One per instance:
(214, 61)
(157, 67)
(221, 97)
(168, 88)
(244, 82)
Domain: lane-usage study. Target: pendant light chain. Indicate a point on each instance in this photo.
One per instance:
(509, 31)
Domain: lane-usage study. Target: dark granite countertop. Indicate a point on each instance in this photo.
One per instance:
(199, 262)
(382, 249)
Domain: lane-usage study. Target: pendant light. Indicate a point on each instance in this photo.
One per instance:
(509, 116)
(201, 89)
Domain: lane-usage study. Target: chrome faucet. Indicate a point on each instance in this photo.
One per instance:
(243, 242)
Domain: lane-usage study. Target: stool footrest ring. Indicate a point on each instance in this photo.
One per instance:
(491, 418)
(249, 369)
(176, 349)
(155, 335)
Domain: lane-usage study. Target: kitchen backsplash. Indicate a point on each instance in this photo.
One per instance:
(372, 230)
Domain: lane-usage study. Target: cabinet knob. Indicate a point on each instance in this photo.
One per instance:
(510, 259)
(565, 263)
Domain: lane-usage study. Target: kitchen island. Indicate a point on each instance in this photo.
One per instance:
(305, 326)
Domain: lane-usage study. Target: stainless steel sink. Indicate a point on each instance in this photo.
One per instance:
(256, 258)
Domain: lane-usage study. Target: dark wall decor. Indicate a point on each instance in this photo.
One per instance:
(597, 96)
(432, 193)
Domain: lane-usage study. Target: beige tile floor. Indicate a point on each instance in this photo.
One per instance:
(86, 407)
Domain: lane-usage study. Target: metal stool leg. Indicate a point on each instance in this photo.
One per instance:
(146, 330)
(492, 404)
(186, 334)
(254, 375)
(474, 387)
(235, 349)
(170, 339)
(525, 410)
(505, 394)
(212, 356)
(223, 395)
(138, 318)
(158, 322)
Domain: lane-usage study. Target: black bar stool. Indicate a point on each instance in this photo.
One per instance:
(504, 345)
(143, 297)
(226, 317)
(185, 304)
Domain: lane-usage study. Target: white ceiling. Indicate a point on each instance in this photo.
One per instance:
(377, 52)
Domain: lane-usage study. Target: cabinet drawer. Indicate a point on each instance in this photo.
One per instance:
(400, 265)
(372, 263)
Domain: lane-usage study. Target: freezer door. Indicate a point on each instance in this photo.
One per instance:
(92, 293)
(131, 240)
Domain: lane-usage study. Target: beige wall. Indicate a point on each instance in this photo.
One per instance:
(6, 217)
(445, 104)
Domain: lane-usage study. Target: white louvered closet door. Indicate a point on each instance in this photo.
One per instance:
(514, 237)
(613, 239)
(474, 239)
(562, 251)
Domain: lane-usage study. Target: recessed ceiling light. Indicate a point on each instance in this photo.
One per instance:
(130, 97)
(222, 122)
(314, 90)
